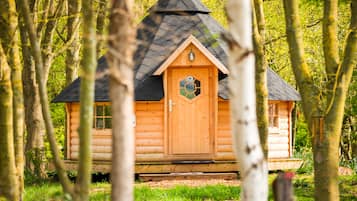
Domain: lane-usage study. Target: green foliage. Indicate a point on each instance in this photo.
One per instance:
(217, 10)
(30, 178)
(43, 192)
(304, 188)
(302, 136)
(307, 157)
(55, 84)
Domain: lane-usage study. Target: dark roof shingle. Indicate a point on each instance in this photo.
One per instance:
(158, 36)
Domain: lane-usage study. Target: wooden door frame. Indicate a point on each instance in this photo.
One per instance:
(213, 107)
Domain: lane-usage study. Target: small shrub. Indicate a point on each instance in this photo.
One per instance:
(307, 166)
(302, 136)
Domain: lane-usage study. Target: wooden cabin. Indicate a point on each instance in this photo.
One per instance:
(182, 121)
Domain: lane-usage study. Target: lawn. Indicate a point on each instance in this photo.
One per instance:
(303, 188)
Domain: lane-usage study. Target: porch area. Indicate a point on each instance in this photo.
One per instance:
(189, 166)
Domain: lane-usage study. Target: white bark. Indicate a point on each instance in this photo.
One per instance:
(253, 167)
(121, 49)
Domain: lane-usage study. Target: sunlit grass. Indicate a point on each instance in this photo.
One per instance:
(303, 189)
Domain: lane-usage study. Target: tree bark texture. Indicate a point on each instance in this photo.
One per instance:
(8, 176)
(10, 43)
(324, 113)
(34, 148)
(36, 53)
(120, 54)
(309, 92)
(261, 74)
(72, 56)
(246, 143)
(88, 66)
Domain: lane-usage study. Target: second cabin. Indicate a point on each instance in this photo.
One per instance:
(182, 118)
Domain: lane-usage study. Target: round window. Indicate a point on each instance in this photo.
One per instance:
(190, 87)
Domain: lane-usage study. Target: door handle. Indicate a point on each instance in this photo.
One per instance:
(171, 104)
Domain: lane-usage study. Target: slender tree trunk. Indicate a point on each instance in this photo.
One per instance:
(18, 100)
(326, 142)
(253, 167)
(72, 56)
(261, 74)
(101, 17)
(324, 117)
(309, 92)
(36, 53)
(121, 49)
(8, 176)
(10, 40)
(89, 64)
(34, 148)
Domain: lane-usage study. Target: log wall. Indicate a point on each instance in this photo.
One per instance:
(149, 137)
(149, 133)
(278, 139)
(149, 130)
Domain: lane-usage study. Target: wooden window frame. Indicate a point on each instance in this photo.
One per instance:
(103, 117)
(273, 115)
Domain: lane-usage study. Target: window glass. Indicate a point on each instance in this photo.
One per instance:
(102, 117)
(99, 123)
(190, 87)
(108, 122)
(273, 115)
(99, 110)
(108, 110)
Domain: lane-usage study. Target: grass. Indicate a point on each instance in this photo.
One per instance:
(185, 193)
(303, 188)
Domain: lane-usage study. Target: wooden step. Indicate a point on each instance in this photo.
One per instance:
(188, 175)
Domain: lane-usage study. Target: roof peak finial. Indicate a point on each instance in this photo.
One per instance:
(178, 6)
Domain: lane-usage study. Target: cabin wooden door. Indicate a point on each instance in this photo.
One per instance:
(189, 113)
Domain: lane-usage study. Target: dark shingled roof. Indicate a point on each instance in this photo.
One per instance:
(168, 25)
(278, 89)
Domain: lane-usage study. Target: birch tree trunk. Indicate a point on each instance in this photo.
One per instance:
(323, 110)
(89, 64)
(121, 49)
(8, 178)
(252, 165)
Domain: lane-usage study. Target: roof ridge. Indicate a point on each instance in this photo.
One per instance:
(178, 6)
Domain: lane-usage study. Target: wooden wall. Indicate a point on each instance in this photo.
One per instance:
(224, 149)
(101, 139)
(278, 139)
(150, 133)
